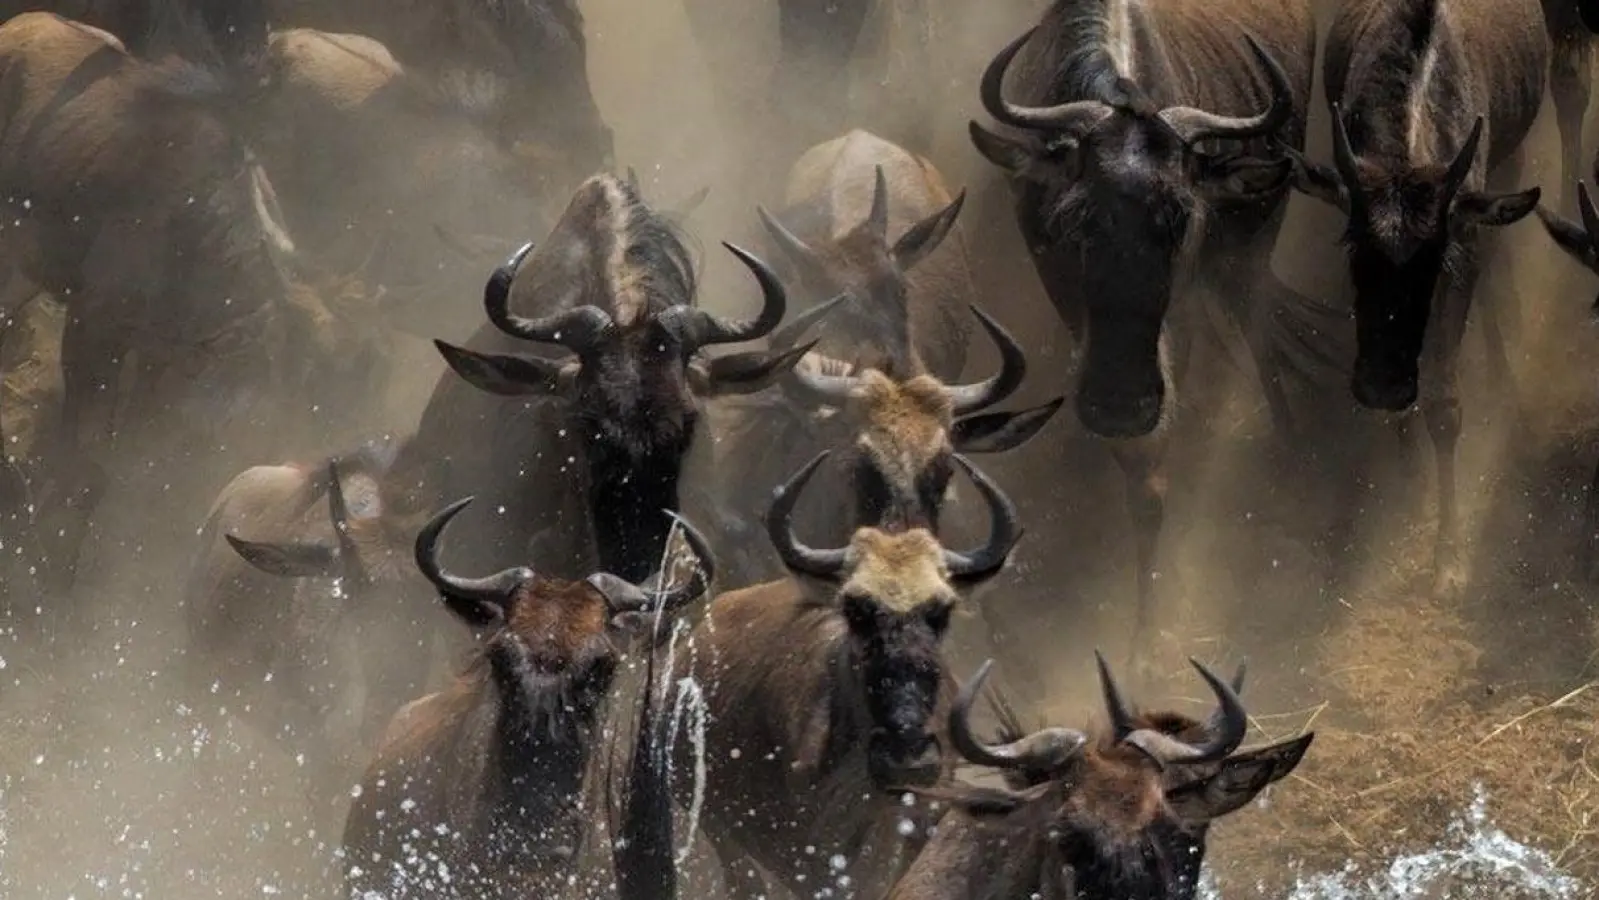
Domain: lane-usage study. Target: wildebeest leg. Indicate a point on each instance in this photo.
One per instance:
(1440, 407)
(91, 359)
(1143, 465)
(1570, 81)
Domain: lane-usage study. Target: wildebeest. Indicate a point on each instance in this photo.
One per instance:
(479, 790)
(1580, 241)
(590, 446)
(220, 35)
(290, 594)
(371, 159)
(126, 193)
(1150, 195)
(886, 353)
(823, 694)
(522, 65)
(1572, 26)
(1118, 815)
(1430, 99)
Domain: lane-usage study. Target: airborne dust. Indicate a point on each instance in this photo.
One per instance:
(1456, 742)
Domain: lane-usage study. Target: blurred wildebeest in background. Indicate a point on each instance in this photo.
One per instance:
(1580, 241)
(288, 603)
(1117, 815)
(581, 445)
(1573, 25)
(520, 65)
(826, 691)
(1150, 194)
(486, 789)
(1431, 102)
(372, 161)
(130, 198)
(888, 347)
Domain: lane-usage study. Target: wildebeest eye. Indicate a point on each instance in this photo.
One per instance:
(937, 616)
(860, 612)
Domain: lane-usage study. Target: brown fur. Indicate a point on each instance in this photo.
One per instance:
(905, 425)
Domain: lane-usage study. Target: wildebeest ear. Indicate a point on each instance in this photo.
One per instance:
(288, 560)
(743, 373)
(924, 237)
(511, 376)
(1240, 779)
(1245, 177)
(1495, 209)
(1008, 153)
(1316, 180)
(1000, 431)
(680, 211)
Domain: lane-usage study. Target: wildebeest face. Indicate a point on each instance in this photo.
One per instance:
(553, 644)
(895, 592)
(1126, 815)
(1407, 225)
(1113, 201)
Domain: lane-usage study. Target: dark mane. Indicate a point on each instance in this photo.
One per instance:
(1072, 43)
(657, 250)
(1390, 72)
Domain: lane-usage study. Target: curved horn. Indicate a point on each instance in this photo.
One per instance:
(787, 337)
(1461, 167)
(827, 390)
(339, 512)
(969, 398)
(1344, 161)
(1044, 750)
(1590, 214)
(877, 218)
(787, 241)
(1122, 720)
(1227, 728)
(1194, 125)
(1004, 531)
(1074, 117)
(494, 589)
(575, 329)
(780, 528)
(625, 597)
(704, 328)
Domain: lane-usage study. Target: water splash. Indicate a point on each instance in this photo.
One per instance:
(1475, 859)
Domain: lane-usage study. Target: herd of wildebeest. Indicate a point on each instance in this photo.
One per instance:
(237, 202)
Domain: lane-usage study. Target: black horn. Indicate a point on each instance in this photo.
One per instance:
(1226, 728)
(1194, 125)
(1075, 117)
(575, 329)
(350, 561)
(969, 398)
(703, 328)
(1041, 751)
(877, 218)
(495, 590)
(780, 528)
(1004, 531)
(1461, 167)
(626, 597)
(1344, 161)
(787, 337)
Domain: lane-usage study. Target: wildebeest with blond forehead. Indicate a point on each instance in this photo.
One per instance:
(824, 694)
(1431, 103)
(1150, 194)
(580, 444)
(487, 789)
(1092, 817)
(888, 316)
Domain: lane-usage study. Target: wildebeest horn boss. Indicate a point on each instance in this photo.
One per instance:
(827, 691)
(490, 782)
(1431, 102)
(606, 305)
(1121, 815)
(1151, 193)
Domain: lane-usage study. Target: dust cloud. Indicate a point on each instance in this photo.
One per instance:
(122, 774)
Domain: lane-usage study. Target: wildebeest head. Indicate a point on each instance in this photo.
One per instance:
(1579, 241)
(1120, 815)
(895, 591)
(869, 272)
(1112, 197)
(1405, 223)
(553, 645)
(366, 546)
(906, 432)
(623, 286)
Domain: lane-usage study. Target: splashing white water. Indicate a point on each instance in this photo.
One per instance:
(1476, 859)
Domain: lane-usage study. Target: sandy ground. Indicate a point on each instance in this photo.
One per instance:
(1316, 567)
